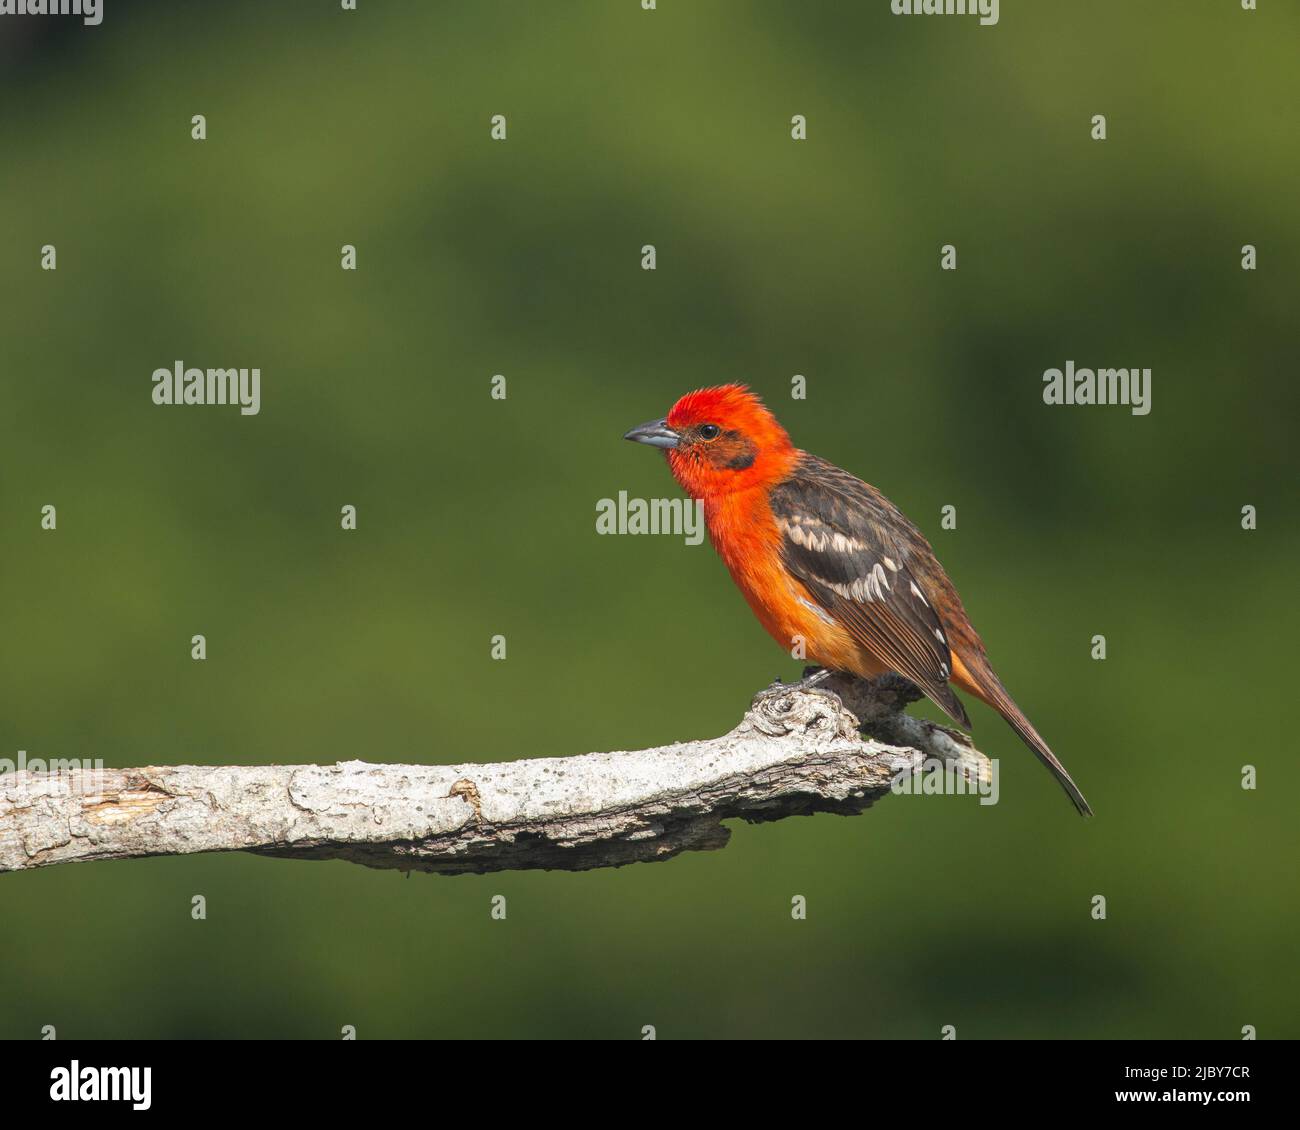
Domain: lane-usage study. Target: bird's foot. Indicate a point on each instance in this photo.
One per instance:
(812, 678)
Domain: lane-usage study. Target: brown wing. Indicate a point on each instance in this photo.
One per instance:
(842, 539)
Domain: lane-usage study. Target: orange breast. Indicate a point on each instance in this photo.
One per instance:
(745, 534)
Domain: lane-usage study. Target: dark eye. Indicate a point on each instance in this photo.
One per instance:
(710, 431)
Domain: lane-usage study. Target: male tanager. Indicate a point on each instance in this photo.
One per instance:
(825, 558)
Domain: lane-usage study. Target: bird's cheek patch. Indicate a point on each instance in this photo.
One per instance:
(733, 451)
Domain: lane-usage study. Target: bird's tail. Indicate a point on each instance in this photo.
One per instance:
(989, 688)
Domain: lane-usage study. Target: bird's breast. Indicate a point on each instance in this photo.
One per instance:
(745, 534)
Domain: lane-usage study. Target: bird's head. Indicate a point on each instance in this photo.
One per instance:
(720, 440)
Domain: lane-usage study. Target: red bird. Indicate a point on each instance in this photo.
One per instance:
(824, 557)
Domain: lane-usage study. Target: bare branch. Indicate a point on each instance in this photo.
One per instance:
(796, 751)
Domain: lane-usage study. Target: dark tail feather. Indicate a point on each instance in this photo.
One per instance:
(942, 696)
(1003, 704)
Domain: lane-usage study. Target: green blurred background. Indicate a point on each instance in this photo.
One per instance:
(476, 516)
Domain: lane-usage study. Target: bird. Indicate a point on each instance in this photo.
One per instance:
(825, 558)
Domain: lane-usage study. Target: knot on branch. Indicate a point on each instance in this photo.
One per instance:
(803, 712)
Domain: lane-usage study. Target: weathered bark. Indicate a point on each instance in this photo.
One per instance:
(796, 751)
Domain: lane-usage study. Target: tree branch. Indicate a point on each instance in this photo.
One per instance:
(796, 751)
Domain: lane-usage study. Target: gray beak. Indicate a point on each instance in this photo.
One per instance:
(657, 433)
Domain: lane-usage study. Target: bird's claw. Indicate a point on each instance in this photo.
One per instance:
(812, 677)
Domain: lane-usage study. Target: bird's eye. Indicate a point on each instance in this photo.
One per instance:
(710, 431)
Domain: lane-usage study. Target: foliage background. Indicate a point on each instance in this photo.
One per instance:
(668, 127)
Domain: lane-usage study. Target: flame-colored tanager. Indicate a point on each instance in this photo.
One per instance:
(825, 558)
